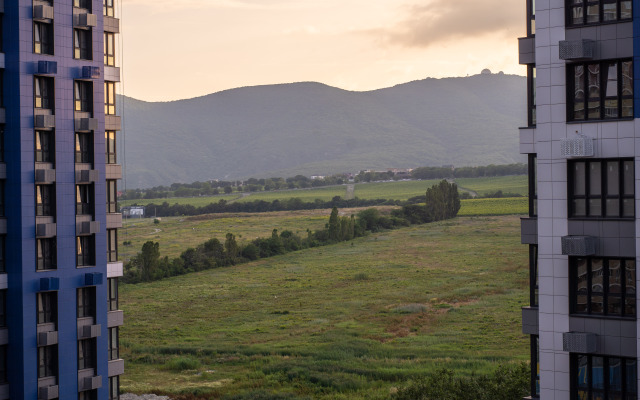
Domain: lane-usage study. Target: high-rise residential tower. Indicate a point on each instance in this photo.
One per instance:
(59, 269)
(583, 144)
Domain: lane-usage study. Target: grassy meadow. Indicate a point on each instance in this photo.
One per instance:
(400, 190)
(348, 321)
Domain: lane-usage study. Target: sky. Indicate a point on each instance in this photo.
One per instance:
(177, 49)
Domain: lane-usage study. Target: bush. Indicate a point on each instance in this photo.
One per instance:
(181, 364)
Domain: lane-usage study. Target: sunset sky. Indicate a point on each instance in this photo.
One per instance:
(187, 48)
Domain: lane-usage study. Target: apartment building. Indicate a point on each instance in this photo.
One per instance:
(583, 141)
(59, 266)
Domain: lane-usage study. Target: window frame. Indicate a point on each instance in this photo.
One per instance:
(114, 388)
(83, 148)
(113, 298)
(531, 18)
(112, 245)
(45, 200)
(87, 354)
(110, 146)
(109, 98)
(46, 153)
(4, 379)
(109, 48)
(47, 308)
(535, 365)
(113, 350)
(85, 251)
(533, 275)
(112, 196)
(83, 4)
(569, 7)
(3, 254)
(48, 361)
(44, 92)
(82, 44)
(602, 83)
(108, 8)
(43, 38)
(533, 184)
(575, 375)
(626, 298)
(85, 199)
(3, 308)
(604, 195)
(46, 254)
(531, 96)
(83, 96)
(86, 302)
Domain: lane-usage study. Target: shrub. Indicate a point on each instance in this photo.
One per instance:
(179, 364)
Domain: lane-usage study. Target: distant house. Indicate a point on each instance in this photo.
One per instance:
(133, 212)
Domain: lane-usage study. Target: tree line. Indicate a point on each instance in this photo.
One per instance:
(441, 202)
(251, 185)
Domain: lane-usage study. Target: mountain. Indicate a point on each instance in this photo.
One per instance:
(314, 129)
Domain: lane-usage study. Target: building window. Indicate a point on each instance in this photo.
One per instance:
(601, 188)
(109, 98)
(43, 92)
(83, 96)
(3, 308)
(112, 245)
(2, 198)
(110, 49)
(47, 361)
(583, 12)
(84, 199)
(45, 197)
(113, 294)
(603, 286)
(44, 146)
(113, 344)
(596, 377)
(110, 145)
(3, 365)
(108, 8)
(47, 303)
(86, 354)
(84, 148)
(531, 95)
(1, 139)
(46, 254)
(87, 302)
(112, 191)
(88, 395)
(86, 4)
(533, 185)
(598, 91)
(82, 44)
(42, 38)
(3, 239)
(533, 275)
(531, 17)
(114, 388)
(85, 247)
(535, 366)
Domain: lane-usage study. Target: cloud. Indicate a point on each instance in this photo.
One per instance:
(444, 20)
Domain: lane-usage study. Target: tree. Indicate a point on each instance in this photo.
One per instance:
(231, 247)
(334, 225)
(228, 189)
(442, 201)
(147, 260)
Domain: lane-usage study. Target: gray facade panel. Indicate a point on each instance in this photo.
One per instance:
(527, 50)
(529, 230)
(613, 41)
(530, 320)
(116, 367)
(115, 318)
(615, 337)
(4, 336)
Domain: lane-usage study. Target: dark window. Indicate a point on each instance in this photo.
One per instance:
(3, 308)
(84, 148)
(85, 247)
(114, 388)
(110, 145)
(43, 38)
(535, 366)
(110, 49)
(112, 191)
(1, 137)
(82, 44)
(109, 98)
(113, 344)
(43, 92)
(83, 96)
(602, 90)
(582, 12)
(47, 361)
(3, 365)
(599, 378)
(531, 95)
(46, 254)
(531, 17)
(88, 395)
(87, 302)
(44, 146)
(112, 245)
(45, 200)
(86, 353)
(107, 8)
(113, 294)
(2, 199)
(533, 275)
(533, 185)
(601, 188)
(603, 286)
(47, 303)
(84, 199)
(3, 239)
(86, 4)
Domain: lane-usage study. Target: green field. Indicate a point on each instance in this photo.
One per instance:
(347, 321)
(401, 190)
(502, 206)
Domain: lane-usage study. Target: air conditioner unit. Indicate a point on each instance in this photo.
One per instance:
(47, 67)
(581, 146)
(45, 121)
(88, 227)
(92, 279)
(89, 72)
(578, 245)
(41, 12)
(85, 20)
(86, 124)
(87, 176)
(89, 331)
(48, 393)
(45, 230)
(47, 338)
(580, 342)
(45, 175)
(582, 49)
(49, 284)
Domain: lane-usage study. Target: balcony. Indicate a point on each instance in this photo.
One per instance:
(115, 318)
(116, 367)
(47, 67)
(49, 284)
(111, 24)
(89, 382)
(89, 331)
(89, 72)
(114, 221)
(113, 171)
(48, 392)
(112, 123)
(115, 269)
(92, 279)
(111, 74)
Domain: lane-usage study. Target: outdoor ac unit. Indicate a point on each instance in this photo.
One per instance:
(89, 72)
(86, 124)
(48, 393)
(92, 279)
(578, 245)
(577, 49)
(580, 342)
(42, 12)
(47, 67)
(45, 175)
(88, 227)
(85, 20)
(91, 383)
(89, 331)
(47, 338)
(45, 121)
(49, 284)
(87, 176)
(581, 146)
(45, 230)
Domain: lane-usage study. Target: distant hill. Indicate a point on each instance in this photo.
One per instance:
(310, 128)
